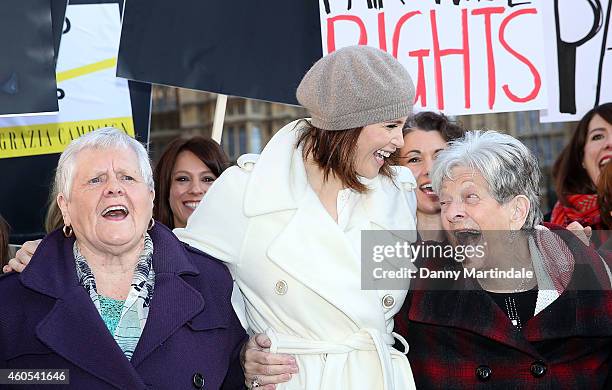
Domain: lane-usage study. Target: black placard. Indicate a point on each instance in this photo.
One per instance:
(255, 49)
(27, 69)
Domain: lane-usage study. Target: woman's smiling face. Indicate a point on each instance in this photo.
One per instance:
(191, 179)
(376, 142)
(418, 154)
(598, 147)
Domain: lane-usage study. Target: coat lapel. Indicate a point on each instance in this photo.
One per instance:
(174, 301)
(73, 327)
(334, 272)
(74, 330)
(311, 247)
(586, 313)
(472, 310)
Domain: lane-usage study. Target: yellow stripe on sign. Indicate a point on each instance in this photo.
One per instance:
(33, 140)
(86, 69)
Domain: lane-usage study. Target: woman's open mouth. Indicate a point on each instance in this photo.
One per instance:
(380, 155)
(115, 213)
(191, 204)
(467, 236)
(427, 189)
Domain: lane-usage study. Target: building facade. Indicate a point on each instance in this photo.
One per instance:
(248, 126)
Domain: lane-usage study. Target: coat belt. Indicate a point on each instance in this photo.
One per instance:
(367, 339)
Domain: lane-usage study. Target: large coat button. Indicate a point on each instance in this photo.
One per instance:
(538, 369)
(198, 380)
(388, 301)
(281, 287)
(483, 373)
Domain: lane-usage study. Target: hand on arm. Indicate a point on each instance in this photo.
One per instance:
(23, 257)
(582, 233)
(268, 369)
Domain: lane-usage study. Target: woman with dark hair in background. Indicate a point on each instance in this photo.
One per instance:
(425, 135)
(577, 169)
(184, 173)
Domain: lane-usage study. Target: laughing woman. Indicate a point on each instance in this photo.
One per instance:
(113, 297)
(289, 225)
(577, 169)
(548, 327)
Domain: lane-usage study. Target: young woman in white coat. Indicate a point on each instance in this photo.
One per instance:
(425, 135)
(289, 223)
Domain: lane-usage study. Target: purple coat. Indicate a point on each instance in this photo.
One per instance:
(192, 338)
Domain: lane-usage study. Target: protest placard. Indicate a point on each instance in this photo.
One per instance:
(466, 57)
(579, 57)
(254, 49)
(27, 82)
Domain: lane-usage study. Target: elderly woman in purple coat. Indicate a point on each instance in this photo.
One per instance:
(112, 298)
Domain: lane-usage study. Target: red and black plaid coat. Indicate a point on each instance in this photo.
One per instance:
(463, 340)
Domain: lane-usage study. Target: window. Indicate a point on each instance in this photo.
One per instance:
(240, 106)
(242, 141)
(256, 106)
(228, 142)
(255, 146)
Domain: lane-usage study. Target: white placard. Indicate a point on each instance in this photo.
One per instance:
(469, 58)
(578, 56)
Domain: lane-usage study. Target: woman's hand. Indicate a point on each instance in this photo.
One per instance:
(22, 257)
(582, 233)
(263, 369)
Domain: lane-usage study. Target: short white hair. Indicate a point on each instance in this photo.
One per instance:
(503, 161)
(105, 138)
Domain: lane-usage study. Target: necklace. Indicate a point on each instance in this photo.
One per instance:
(512, 312)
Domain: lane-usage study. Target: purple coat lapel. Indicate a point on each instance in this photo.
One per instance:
(74, 329)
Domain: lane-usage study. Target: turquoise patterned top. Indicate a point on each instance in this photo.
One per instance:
(110, 309)
(124, 319)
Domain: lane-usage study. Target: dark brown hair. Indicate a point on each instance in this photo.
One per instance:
(569, 174)
(334, 152)
(207, 150)
(4, 243)
(432, 121)
(604, 195)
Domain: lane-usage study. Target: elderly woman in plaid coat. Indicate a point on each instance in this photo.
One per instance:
(546, 323)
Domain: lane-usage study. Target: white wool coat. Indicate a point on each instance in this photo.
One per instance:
(299, 273)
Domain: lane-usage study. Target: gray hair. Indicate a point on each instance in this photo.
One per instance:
(105, 138)
(504, 162)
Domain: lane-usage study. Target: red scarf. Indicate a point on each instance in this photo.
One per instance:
(583, 208)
